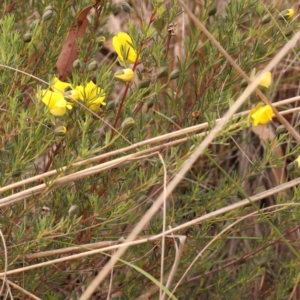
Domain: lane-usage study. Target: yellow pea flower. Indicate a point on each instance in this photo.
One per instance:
(267, 80)
(55, 101)
(92, 95)
(60, 131)
(125, 75)
(287, 14)
(122, 44)
(261, 114)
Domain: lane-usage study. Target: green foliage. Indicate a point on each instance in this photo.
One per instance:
(181, 80)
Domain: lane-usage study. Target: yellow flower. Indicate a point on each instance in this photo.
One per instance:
(125, 74)
(122, 44)
(60, 131)
(267, 80)
(287, 14)
(92, 95)
(261, 114)
(55, 101)
(298, 161)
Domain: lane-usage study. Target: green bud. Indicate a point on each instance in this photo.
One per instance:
(150, 103)
(127, 124)
(288, 32)
(212, 11)
(111, 105)
(266, 19)
(49, 7)
(17, 172)
(174, 118)
(146, 206)
(92, 66)
(174, 74)
(281, 130)
(60, 131)
(73, 211)
(27, 37)
(244, 83)
(144, 83)
(141, 199)
(77, 64)
(100, 40)
(292, 166)
(126, 7)
(240, 195)
(48, 14)
(163, 72)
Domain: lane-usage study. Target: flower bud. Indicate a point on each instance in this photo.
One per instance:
(100, 40)
(244, 83)
(48, 14)
(111, 105)
(212, 11)
(288, 32)
(127, 124)
(125, 75)
(141, 199)
(286, 14)
(60, 131)
(17, 172)
(292, 166)
(266, 19)
(27, 37)
(174, 74)
(126, 7)
(240, 195)
(281, 129)
(163, 72)
(92, 66)
(77, 64)
(49, 7)
(73, 211)
(144, 83)
(266, 81)
(174, 118)
(150, 103)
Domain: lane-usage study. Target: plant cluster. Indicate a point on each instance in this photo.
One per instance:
(96, 120)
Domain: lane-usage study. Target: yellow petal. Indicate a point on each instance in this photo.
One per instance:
(92, 95)
(58, 111)
(298, 161)
(122, 44)
(267, 80)
(60, 86)
(55, 101)
(50, 98)
(125, 75)
(261, 115)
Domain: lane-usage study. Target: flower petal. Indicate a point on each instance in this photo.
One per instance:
(60, 86)
(123, 45)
